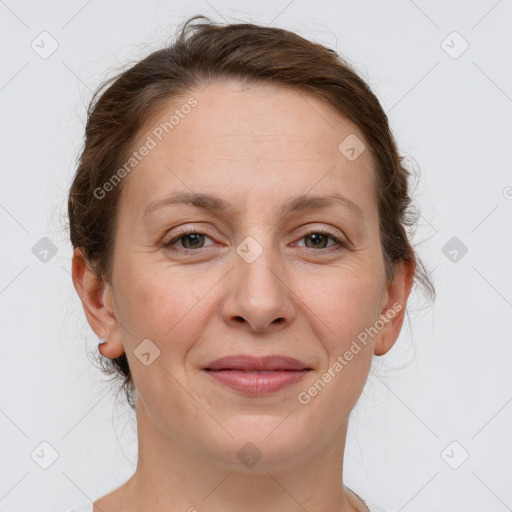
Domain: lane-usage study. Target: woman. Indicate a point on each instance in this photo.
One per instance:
(238, 221)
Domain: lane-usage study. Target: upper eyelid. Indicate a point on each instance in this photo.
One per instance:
(343, 239)
(207, 230)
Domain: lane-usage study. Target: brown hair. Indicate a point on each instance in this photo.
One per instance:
(205, 51)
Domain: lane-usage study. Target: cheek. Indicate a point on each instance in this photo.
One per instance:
(343, 305)
(166, 306)
(343, 313)
(162, 306)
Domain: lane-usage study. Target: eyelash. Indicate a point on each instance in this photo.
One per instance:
(190, 231)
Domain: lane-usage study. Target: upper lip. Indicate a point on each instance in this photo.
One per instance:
(251, 363)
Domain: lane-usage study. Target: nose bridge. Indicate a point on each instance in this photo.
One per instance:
(259, 267)
(259, 295)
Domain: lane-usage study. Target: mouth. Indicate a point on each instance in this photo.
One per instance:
(251, 375)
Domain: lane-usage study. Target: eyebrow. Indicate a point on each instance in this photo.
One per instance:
(216, 204)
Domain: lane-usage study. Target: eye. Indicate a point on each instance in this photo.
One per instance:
(191, 239)
(319, 237)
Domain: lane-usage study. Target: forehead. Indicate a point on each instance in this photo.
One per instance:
(250, 140)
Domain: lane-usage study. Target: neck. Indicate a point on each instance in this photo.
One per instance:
(172, 478)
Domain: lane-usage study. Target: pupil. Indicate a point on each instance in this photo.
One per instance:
(194, 236)
(317, 239)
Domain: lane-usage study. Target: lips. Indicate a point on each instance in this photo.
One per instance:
(257, 376)
(252, 364)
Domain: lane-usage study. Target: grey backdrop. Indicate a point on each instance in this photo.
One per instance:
(431, 432)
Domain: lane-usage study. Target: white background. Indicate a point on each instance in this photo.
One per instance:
(447, 379)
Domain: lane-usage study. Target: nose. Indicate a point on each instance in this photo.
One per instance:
(258, 295)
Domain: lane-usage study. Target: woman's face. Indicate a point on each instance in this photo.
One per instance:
(257, 278)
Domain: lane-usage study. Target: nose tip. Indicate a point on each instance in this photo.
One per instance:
(257, 294)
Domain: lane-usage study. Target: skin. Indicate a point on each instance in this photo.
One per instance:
(255, 147)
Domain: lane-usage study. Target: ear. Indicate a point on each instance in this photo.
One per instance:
(393, 306)
(98, 304)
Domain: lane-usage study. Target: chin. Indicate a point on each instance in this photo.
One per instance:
(260, 443)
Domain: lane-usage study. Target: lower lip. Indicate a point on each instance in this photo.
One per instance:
(257, 383)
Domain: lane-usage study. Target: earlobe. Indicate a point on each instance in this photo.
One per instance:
(95, 295)
(110, 349)
(393, 313)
